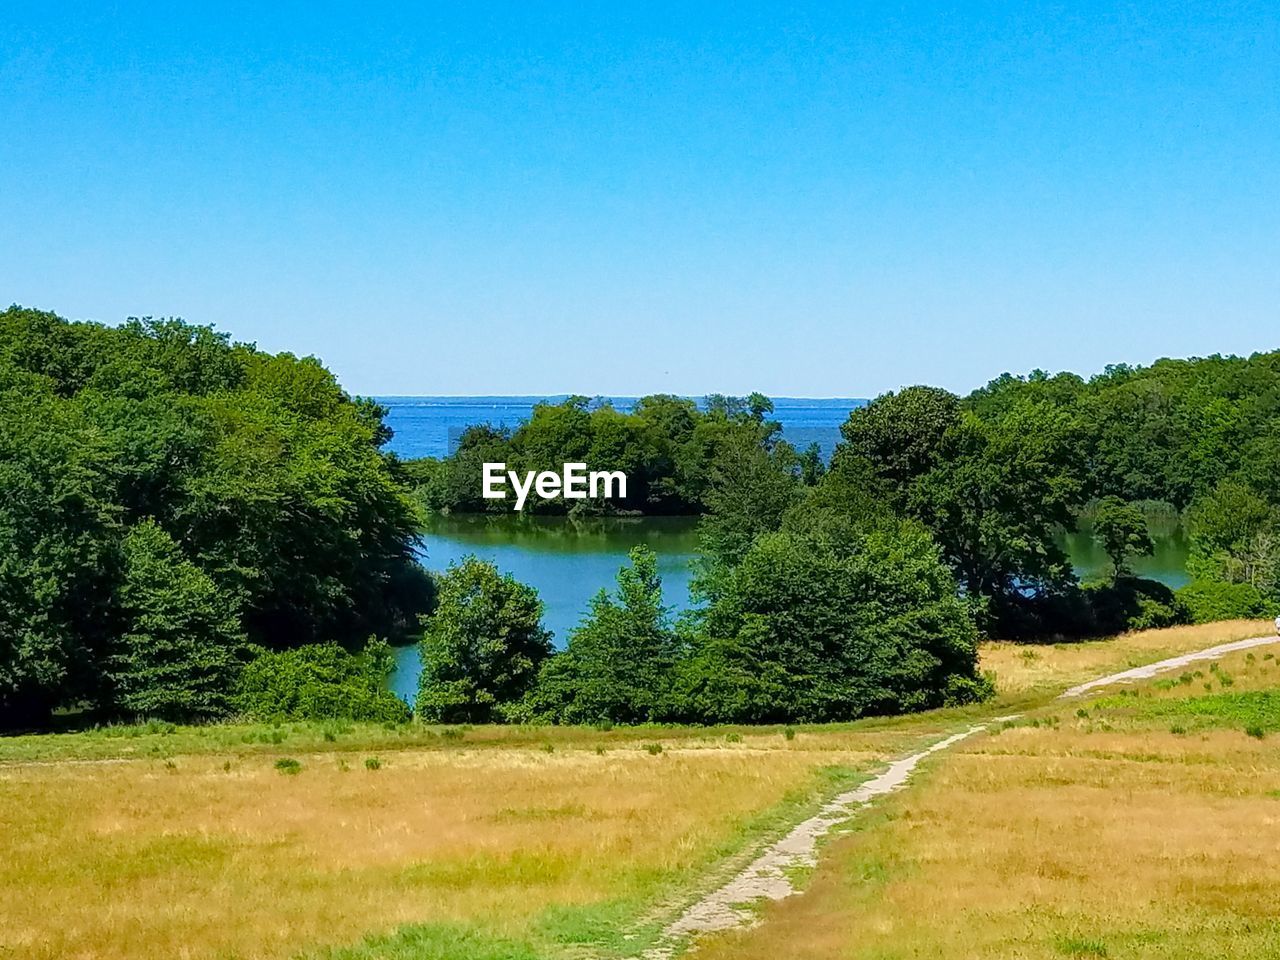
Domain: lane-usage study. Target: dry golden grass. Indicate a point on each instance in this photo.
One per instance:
(188, 843)
(188, 859)
(1122, 831)
(1024, 670)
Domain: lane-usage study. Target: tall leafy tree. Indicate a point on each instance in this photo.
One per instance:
(1235, 538)
(1121, 530)
(181, 645)
(901, 435)
(59, 556)
(751, 488)
(618, 662)
(482, 647)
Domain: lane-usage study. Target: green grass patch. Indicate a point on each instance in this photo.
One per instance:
(1256, 711)
(434, 941)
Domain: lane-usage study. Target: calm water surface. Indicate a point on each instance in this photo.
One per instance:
(429, 426)
(569, 561)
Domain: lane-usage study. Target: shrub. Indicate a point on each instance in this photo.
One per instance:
(288, 765)
(617, 665)
(1211, 600)
(372, 763)
(815, 626)
(1132, 603)
(321, 682)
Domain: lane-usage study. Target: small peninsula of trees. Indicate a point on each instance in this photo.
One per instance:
(192, 529)
(668, 448)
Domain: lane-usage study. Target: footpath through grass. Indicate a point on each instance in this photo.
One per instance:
(1144, 823)
(518, 843)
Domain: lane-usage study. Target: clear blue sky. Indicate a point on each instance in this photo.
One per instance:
(626, 198)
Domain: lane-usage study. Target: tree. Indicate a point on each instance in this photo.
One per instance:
(1121, 530)
(181, 645)
(749, 492)
(996, 498)
(822, 625)
(1235, 537)
(482, 647)
(321, 681)
(266, 477)
(59, 555)
(901, 434)
(618, 662)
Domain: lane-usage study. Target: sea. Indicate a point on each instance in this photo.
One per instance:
(431, 426)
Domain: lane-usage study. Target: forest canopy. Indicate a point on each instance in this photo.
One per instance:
(168, 498)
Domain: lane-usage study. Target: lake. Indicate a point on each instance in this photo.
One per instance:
(569, 561)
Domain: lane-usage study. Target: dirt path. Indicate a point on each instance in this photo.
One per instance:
(1173, 663)
(768, 876)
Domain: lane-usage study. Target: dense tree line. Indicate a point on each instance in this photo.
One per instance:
(192, 528)
(1197, 437)
(864, 590)
(667, 446)
(168, 499)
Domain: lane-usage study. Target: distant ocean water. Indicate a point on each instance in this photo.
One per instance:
(425, 426)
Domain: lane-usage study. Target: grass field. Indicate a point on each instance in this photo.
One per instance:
(233, 852)
(1142, 824)
(411, 843)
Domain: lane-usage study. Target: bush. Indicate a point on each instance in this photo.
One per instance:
(815, 626)
(321, 682)
(1095, 609)
(1210, 600)
(618, 662)
(1133, 603)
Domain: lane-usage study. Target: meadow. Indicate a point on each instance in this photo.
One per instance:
(1144, 823)
(207, 845)
(354, 842)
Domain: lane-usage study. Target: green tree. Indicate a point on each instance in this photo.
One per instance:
(749, 491)
(482, 647)
(271, 480)
(901, 434)
(996, 498)
(181, 644)
(1121, 530)
(1235, 538)
(618, 662)
(59, 556)
(832, 624)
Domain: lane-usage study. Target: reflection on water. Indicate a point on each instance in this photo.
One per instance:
(569, 561)
(1168, 563)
